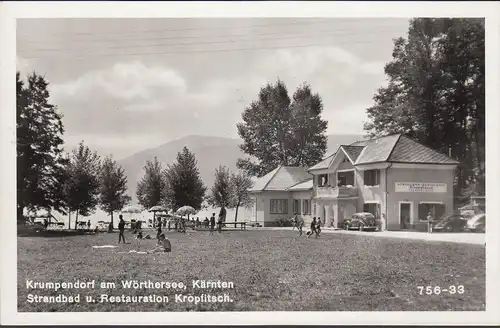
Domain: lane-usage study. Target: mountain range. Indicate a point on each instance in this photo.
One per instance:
(210, 152)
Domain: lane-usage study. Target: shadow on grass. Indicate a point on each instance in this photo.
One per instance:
(53, 233)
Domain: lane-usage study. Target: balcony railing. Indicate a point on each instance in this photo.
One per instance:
(336, 192)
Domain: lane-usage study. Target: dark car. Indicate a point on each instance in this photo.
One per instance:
(477, 223)
(450, 223)
(361, 221)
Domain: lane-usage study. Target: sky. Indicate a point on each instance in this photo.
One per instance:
(125, 85)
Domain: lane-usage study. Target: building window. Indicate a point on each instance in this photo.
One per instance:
(279, 206)
(437, 210)
(372, 178)
(296, 206)
(345, 178)
(373, 208)
(322, 180)
(307, 207)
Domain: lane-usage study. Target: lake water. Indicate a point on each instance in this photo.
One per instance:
(244, 214)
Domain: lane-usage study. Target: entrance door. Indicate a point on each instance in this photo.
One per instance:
(404, 215)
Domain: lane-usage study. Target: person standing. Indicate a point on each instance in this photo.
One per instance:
(313, 227)
(430, 222)
(300, 225)
(212, 223)
(121, 228)
(219, 224)
(318, 227)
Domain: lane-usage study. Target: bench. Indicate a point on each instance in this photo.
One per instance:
(243, 225)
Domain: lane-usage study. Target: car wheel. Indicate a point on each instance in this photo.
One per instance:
(449, 229)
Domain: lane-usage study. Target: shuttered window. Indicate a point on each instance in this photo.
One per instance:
(307, 206)
(296, 206)
(372, 178)
(279, 206)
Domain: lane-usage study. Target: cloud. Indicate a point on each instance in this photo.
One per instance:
(127, 81)
(118, 107)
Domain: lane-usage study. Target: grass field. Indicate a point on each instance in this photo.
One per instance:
(271, 271)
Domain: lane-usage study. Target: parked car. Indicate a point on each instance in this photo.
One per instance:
(361, 221)
(450, 223)
(255, 224)
(477, 223)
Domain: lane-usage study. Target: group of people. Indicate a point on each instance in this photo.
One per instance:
(315, 227)
(163, 244)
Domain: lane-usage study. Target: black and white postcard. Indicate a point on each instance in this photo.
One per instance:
(257, 163)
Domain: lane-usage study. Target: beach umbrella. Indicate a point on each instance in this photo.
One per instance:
(155, 209)
(131, 209)
(186, 210)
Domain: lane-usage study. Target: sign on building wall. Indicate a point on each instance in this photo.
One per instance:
(420, 187)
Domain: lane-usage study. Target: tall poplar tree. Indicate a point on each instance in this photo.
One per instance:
(277, 130)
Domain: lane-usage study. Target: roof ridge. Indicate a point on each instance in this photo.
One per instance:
(272, 177)
(347, 154)
(429, 148)
(302, 181)
(393, 147)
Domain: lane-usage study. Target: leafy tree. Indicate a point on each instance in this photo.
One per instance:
(240, 183)
(279, 131)
(113, 187)
(151, 188)
(436, 93)
(40, 160)
(183, 182)
(82, 182)
(221, 192)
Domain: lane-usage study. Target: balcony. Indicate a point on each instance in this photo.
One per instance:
(336, 192)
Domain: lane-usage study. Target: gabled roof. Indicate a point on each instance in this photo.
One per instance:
(395, 148)
(281, 178)
(409, 151)
(324, 164)
(353, 151)
(306, 185)
(376, 150)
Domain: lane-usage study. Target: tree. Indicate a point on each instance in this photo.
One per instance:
(183, 182)
(240, 183)
(82, 182)
(40, 160)
(436, 93)
(221, 192)
(113, 187)
(279, 131)
(151, 188)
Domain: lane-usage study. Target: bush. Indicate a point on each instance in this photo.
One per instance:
(285, 222)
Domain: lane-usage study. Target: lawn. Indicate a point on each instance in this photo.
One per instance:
(271, 271)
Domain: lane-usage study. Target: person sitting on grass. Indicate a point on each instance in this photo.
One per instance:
(164, 245)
